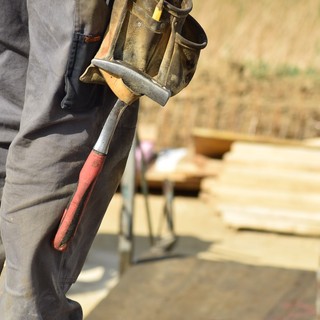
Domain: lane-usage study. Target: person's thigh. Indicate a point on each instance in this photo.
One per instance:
(14, 49)
(46, 156)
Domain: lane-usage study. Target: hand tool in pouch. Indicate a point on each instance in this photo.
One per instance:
(150, 48)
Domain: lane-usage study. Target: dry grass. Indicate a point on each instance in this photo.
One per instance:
(277, 32)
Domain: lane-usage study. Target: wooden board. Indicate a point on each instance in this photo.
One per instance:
(181, 181)
(240, 195)
(193, 289)
(270, 178)
(264, 156)
(211, 142)
(270, 219)
(187, 175)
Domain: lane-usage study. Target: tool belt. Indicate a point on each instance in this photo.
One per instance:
(158, 40)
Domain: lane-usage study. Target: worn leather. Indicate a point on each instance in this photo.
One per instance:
(167, 50)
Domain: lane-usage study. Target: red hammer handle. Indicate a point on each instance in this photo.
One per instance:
(73, 212)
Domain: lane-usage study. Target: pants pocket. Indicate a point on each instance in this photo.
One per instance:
(90, 22)
(80, 96)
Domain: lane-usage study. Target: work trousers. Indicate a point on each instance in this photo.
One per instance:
(49, 122)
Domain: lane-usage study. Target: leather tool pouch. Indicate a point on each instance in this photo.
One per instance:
(165, 50)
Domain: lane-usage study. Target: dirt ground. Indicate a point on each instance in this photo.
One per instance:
(259, 74)
(201, 233)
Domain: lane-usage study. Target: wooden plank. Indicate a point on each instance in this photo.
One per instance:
(209, 184)
(181, 182)
(286, 147)
(270, 198)
(277, 149)
(299, 158)
(210, 146)
(187, 174)
(189, 289)
(211, 142)
(270, 219)
(275, 178)
(262, 162)
(315, 142)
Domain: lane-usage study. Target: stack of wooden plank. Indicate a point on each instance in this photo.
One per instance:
(273, 187)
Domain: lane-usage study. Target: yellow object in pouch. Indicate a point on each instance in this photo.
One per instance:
(158, 11)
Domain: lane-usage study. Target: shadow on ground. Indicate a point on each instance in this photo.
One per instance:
(102, 264)
(191, 288)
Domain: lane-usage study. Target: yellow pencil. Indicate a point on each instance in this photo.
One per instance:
(158, 11)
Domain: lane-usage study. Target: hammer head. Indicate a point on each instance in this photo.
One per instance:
(137, 81)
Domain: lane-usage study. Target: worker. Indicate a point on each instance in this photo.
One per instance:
(49, 122)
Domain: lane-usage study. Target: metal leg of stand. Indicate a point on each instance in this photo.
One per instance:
(145, 191)
(168, 191)
(128, 188)
(167, 241)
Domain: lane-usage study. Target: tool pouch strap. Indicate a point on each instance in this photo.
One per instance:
(166, 50)
(106, 51)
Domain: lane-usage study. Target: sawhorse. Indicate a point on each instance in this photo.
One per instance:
(128, 191)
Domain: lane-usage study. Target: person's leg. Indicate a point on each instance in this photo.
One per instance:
(45, 159)
(14, 48)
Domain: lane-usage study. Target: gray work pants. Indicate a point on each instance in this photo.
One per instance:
(49, 123)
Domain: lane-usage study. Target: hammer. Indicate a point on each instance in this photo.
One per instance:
(139, 83)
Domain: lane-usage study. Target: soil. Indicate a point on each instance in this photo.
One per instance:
(259, 74)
